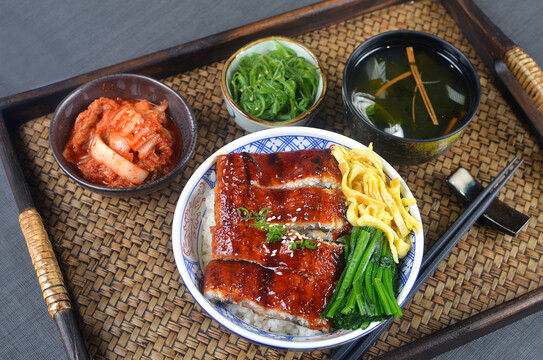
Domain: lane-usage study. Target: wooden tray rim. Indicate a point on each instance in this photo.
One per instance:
(19, 108)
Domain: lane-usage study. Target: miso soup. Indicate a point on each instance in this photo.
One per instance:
(387, 93)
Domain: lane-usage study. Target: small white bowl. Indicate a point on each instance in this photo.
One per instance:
(188, 226)
(263, 46)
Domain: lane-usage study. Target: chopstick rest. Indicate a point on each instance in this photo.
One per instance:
(499, 215)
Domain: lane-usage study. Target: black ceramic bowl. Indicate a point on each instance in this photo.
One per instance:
(128, 86)
(398, 150)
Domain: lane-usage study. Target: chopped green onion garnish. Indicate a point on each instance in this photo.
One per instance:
(274, 232)
(303, 243)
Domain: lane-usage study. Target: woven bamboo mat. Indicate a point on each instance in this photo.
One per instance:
(117, 257)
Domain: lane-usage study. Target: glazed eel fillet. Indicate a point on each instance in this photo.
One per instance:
(298, 209)
(302, 189)
(277, 294)
(290, 169)
(246, 242)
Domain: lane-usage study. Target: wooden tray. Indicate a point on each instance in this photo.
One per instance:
(116, 254)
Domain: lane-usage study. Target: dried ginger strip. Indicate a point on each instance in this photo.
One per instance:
(420, 85)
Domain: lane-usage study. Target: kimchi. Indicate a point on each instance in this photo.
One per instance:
(123, 142)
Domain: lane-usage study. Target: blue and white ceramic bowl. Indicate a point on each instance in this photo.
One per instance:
(187, 227)
(263, 46)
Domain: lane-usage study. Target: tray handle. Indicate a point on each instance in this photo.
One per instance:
(51, 282)
(517, 72)
(528, 74)
(41, 252)
(44, 261)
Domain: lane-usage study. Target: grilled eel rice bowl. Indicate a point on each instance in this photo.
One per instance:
(268, 292)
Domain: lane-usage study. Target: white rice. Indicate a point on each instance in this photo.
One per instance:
(205, 234)
(247, 315)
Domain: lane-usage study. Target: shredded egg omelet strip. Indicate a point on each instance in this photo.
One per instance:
(372, 201)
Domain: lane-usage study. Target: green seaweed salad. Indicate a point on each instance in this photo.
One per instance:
(276, 86)
(366, 289)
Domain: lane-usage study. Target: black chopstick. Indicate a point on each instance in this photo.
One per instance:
(434, 257)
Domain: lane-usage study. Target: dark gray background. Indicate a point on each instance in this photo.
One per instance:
(43, 42)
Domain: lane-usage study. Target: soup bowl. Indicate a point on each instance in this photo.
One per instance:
(396, 149)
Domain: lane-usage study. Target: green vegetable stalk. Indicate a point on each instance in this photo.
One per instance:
(365, 291)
